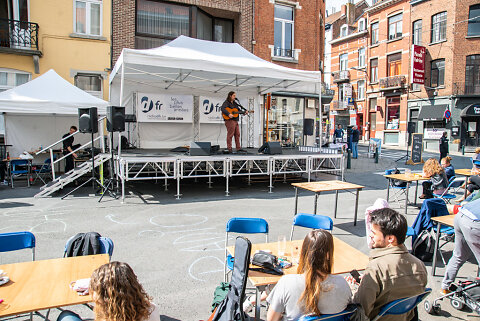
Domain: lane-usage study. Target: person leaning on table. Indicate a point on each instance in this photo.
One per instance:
(118, 296)
(392, 272)
(467, 241)
(314, 290)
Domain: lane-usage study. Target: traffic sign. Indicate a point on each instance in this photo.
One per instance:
(447, 114)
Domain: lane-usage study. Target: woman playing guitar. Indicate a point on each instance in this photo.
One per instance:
(230, 112)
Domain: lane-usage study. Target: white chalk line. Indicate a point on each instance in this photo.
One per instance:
(190, 268)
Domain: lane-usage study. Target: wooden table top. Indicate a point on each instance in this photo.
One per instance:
(345, 259)
(45, 284)
(408, 178)
(325, 186)
(445, 219)
(465, 172)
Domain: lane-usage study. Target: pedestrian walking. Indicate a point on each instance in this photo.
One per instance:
(443, 146)
(338, 134)
(355, 139)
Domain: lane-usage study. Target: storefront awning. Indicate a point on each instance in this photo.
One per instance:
(472, 110)
(432, 112)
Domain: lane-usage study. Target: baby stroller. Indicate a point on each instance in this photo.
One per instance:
(464, 293)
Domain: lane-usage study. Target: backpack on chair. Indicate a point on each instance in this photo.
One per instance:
(424, 246)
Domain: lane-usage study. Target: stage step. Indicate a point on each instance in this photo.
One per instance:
(65, 179)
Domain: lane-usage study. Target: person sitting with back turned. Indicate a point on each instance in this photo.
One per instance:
(392, 272)
(118, 296)
(448, 167)
(314, 290)
(438, 179)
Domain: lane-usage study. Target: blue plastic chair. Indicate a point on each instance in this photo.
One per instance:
(476, 162)
(446, 196)
(341, 316)
(401, 306)
(397, 190)
(315, 222)
(243, 225)
(19, 167)
(17, 241)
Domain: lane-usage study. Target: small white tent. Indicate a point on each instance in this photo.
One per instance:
(40, 111)
(196, 67)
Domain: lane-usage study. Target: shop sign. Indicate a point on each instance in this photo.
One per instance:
(433, 133)
(333, 112)
(347, 90)
(418, 65)
(455, 130)
(350, 101)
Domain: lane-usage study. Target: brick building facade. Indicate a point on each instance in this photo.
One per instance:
(450, 32)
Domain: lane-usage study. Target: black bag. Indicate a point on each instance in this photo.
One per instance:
(397, 182)
(268, 263)
(424, 246)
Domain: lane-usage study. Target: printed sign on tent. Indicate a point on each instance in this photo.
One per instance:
(210, 109)
(164, 108)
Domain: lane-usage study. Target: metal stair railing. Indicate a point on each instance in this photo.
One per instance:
(50, 147)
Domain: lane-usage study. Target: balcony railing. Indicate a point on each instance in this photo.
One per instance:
(462, 88)
(341, 76)
(392, 82)
(281, 52)
(339, 105)
(17, 34)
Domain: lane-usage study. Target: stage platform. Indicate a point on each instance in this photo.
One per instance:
(150, 164)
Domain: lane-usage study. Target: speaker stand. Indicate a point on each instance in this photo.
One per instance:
(112, 181)
(405, 156)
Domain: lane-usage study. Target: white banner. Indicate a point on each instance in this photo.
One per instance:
(210, 109)
(164, 108)
(433, 133)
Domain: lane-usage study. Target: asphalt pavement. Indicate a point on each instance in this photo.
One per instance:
(177, 246)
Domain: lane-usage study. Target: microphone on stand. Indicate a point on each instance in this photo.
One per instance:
(237, 102)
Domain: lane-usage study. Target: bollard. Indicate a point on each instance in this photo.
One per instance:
(349, 158)
(376, 154)
(463, 149)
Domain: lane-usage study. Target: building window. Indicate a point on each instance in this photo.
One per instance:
(374, 39)
(88, 17)
(283, 31)
(472, 75)
(393, 113)
(91, 83)
(417, 32)
(344, 61)
(12, 78)
(437, 73)
(395, 27)
(361, 90)
(439, 27)
(474, 21)
(374, 70)
(373, 104)
(361, 57)
(361, 25)
(394, 64)
(159, 23)
(344, 31)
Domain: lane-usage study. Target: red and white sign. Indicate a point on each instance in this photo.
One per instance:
(418, 65)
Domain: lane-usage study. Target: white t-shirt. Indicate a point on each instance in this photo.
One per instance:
(285, 295)
(155, 315)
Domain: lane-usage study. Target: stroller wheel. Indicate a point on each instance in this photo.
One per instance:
(457, 304)
(430, 308)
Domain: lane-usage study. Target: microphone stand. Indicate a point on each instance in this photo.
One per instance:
(237, 103)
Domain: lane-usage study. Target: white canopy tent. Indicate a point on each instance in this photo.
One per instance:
(196, 67)
(40, 111)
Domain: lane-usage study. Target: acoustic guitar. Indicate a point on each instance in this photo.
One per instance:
(235, 112)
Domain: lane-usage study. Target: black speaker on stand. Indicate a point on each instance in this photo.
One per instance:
(115, 123)
(88, 123)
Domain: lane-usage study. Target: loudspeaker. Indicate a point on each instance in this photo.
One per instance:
(115, 119)
(200, 148)
(308, 126)
(88, 120)
(271, 148)
(411, 127)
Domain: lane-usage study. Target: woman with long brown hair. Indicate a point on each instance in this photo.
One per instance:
(118, 296)
(314, 290)
(438, 179)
